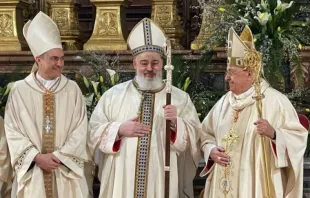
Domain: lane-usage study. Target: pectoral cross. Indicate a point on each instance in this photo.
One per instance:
(229, 139)
(48, 125)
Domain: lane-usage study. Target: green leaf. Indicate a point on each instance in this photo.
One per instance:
(186, 84)
(86, 82)
(8, 88)
(95, 87)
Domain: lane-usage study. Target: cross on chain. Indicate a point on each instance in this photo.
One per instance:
(230, 138)
(47, 125)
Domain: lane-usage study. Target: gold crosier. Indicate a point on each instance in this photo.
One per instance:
(252, 61)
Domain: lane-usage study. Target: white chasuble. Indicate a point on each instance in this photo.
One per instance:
(43, 121)
(133, 167)
(230, 124)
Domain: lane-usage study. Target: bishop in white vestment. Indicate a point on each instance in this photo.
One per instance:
(128, 126)
(46, 122)
(231, 138)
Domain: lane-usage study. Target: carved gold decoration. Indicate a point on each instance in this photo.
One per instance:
(165, 14)
(204, 33)
(11, 24)
(6, 25)
(65, 14)
(107, 33)
(108, 24)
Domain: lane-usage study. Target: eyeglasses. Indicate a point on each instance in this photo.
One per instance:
(232, 72)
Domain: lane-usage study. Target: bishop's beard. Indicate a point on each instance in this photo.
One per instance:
(150, 84)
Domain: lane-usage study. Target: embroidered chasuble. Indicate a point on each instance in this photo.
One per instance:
(47, 120)
(48, 132)
(133, 167)
(230, 124)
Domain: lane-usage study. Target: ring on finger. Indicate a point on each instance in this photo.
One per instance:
(219, 158)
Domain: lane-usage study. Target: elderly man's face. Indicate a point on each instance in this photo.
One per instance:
(148, 65)
(239, 79)
(51, 63)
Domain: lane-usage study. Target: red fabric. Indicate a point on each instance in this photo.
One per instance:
(209, 164)
(274, 148)
(173, 136)
(117, 145)
(304, 121)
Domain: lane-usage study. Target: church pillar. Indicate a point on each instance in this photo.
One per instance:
(204, 33)
(65, 14)
(11, 25)
(165, 14)
(107, 32)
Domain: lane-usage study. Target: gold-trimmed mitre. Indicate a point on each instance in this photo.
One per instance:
(146, 36)
(238, 46)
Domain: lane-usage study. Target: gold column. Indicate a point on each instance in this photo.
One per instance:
(65, 14)
(11, 25)
(204, 33)
(107, 33)
(165, 14)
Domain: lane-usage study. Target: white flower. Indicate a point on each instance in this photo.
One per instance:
(263, 17)
(281, 7)
(243, 20)
(111, 72)
(263, 5)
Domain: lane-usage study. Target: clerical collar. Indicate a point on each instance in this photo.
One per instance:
(150, 91)
(48, 84)
(245, 99)
(244, 94)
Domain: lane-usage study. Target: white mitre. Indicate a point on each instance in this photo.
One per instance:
(238, 46)
(42, 34)
(146, 36)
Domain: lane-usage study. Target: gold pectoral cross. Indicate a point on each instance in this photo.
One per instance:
(229, 139)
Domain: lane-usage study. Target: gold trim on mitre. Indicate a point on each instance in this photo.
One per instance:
(238, 46)
(146, 36)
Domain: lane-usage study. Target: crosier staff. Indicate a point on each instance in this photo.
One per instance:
(252, 60)
(168, 67)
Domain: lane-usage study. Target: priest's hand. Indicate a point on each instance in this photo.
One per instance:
(219, 156)
(47, 162)
(264, 128)
(132, 128)
(170, 112)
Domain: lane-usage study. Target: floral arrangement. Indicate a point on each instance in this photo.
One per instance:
(102, 76)
(280, 28)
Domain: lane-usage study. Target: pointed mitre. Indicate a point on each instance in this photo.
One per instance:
(42, 34)
(238, 46)
(146, 36)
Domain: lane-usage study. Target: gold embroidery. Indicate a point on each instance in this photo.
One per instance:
(229, 141)
(78, 162)
(21, 159)
(49, 133)
(48, 137)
